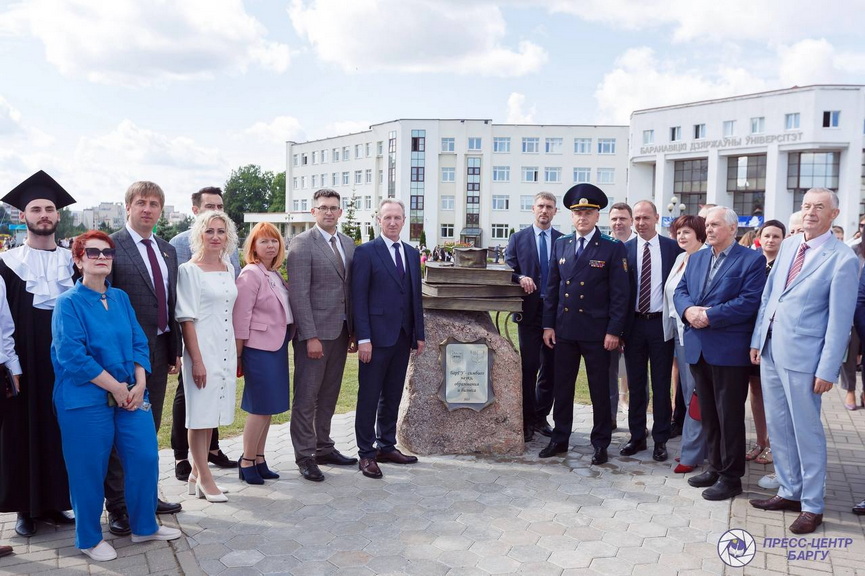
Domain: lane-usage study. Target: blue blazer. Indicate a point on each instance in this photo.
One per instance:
(377, 294)
(522, 256)
(733, 299)
(670, 250)
(812, 316)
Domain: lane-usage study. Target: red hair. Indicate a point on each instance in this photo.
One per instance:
(81, 240)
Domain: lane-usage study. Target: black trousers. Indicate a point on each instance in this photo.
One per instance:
(567, 366)
(647, 351)
(538, 370)
(722, 391)
(179, 437)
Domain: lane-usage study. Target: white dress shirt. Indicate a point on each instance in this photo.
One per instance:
(656, 302)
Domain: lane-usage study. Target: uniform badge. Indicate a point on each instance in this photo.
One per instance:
(625, 264)
(561, 261)
(597, 263)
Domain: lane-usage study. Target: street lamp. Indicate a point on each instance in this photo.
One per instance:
(675, 208)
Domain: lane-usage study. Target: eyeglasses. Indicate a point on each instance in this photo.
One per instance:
(94, 253)
(330, 209)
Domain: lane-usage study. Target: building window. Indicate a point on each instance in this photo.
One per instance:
(690, 182)
(582, 145)
(368, 149)
(758, 125)
(304, 206)
(530, 173)
(501, 144)
(675, 133)
(447, 202)
(367, 176)
(417, 173)
(501, 173)
(379, 148)
(346, 151)
(474, 144)
(303, 181)
(606, 145)
(531, 145)
(552, 174)
(501, 202)
(324, 156)
(314, 157)
(335, 154)
(345, 178)
(295, 205)
(553, 145)
(313, 181)
(447, 144)
(746, 182)
(791, 121)
(699, 131)
(582, 175)
(500, 232)
(358, 176)
(473, 192)
(358, 151)
(294, 183)
(806, 170)
(418, 143)
(304, 159)
(526, 203)
(447, 230)
(381, 176)
(648, 136)
(367, 202)
(831, 118)
(729, 127)
(449, 174)
(296, 159)
(606, 175)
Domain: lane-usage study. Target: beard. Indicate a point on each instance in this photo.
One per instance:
(33, 229)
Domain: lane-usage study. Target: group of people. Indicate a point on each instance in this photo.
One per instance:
(117, 314)
(777, 320)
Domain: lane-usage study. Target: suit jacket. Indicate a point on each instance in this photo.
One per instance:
(733, 299)
(320, 294)
(522, 256)
(258, 316)
(812, 315)
(377, 294)
(129, 273)
(587, 298)
(670, 250)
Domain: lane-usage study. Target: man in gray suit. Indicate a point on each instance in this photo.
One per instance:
(145, 267)
(319, 261)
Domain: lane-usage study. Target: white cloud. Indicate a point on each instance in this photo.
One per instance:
(278, 131)
(814, 61)
(516, 114)
(10, 118)
(421, 36)
(345, 127)
(135, 43)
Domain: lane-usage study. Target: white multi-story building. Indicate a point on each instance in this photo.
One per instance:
(758, 153)
(461, 180)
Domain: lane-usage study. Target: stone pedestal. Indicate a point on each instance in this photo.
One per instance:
(426, 426)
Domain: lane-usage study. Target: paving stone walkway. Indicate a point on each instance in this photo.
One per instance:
(461, 515)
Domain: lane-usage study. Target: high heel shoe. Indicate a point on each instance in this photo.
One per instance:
(250, 474)
(209, 497)
(683, 469)
(190, 486)
(264, 471)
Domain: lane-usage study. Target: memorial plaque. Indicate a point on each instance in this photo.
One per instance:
(467, 367)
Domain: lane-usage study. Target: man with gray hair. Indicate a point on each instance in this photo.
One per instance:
(718, 299)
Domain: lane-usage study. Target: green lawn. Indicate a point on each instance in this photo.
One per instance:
(347, 397)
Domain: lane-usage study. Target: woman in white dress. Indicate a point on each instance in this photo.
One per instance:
(205, 299)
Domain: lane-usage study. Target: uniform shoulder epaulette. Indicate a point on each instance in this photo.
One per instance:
(610, 238)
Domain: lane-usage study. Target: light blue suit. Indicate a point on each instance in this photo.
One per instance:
(810, 327)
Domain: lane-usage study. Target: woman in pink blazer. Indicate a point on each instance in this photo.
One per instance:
(262, 329)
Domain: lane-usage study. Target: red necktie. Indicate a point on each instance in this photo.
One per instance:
(158, 286)
(797, 264)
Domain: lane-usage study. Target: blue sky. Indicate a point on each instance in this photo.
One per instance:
(100, 94)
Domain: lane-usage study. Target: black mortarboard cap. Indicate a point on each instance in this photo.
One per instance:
(38, 187)
(585, 196)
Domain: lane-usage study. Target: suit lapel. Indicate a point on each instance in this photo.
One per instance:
(812, 265)
(328, 252)
(134, 256)
(700, 267)
(386, 260)
(732, 257)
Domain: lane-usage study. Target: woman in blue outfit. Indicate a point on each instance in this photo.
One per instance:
(100, 355)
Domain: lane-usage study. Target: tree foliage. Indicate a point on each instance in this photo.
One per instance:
(350, 225)
(277, 193)
(248, 189)
(66, 227)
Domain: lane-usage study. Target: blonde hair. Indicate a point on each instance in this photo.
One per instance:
(263, 230)
(199, 225)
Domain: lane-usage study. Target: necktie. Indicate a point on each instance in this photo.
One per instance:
(580, 247)
(158, 286)
(545, 262)
(340, 264)
(645, 300)
(797, 264)
(399, 267)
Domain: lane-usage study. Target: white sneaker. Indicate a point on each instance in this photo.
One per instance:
(769, 482)
(102, 552)
(164, 533)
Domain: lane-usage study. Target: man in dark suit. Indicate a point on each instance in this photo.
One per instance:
(145, 267)
(319, 261)
(718, 299)
(388, 324)
(650, 259)
(584, 316)
(528, 254)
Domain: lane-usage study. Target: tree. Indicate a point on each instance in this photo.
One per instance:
(248, 189)
(422, 239)
(350, 226)
(277, 193)
(66, 228)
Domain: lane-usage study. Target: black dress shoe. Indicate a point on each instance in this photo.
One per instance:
(554, 449)
(600, 456)
(544, 429)
(528, 433)
(335, 458)
(168, 507)
(660, 452)
(118, 524)
(221, 460)
(859, 508)
(369, 468)
(182, 470)
(58, 517)
(309, 469)
(704, 480)
(631, 447)
(395, 456)
(723, 490)
(25, 525)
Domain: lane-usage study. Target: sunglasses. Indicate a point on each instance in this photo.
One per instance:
(94, 253)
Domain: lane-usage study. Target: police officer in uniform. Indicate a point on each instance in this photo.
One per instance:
(584, 316)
